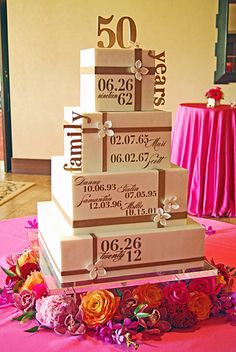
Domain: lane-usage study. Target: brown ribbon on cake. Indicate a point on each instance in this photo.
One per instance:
(138, 84)
(49, 258)
(121, 130)
(161, 197)
(116, 70)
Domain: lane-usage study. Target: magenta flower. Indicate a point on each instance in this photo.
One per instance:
(6, 295)
(24, 301)
(233, 298)
(105, 333)
(209, 230)
(32, 224)
(40, 290)
(176, 292)
(232, 310)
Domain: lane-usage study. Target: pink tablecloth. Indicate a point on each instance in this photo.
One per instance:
(204, 142)
(213, 335)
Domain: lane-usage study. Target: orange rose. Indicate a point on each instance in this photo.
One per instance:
(33, 279)
(26, 257)
(99, 307)
(200, 304)
(150, 294)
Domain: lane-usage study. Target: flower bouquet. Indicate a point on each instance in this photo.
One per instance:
(118, 315)
(214, 96)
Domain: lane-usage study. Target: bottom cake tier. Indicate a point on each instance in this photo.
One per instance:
(103, 257)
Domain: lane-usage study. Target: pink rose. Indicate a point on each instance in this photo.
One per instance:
(176, 293)
(203, 284)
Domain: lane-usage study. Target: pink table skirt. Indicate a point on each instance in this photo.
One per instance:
(204, 142)
(213, 335)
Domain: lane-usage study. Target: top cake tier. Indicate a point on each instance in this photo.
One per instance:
(117, 79)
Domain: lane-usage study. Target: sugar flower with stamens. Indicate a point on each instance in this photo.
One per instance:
(96, 269)
(105, 129)
(139, 70)
(170, 203)
(161, 217)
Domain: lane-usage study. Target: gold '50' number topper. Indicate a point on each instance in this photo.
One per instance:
(119, 34)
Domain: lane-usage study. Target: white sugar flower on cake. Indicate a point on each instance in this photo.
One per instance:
(161, 217)
(105, 129)
(96, 269)
(139, 70)
(170, 203)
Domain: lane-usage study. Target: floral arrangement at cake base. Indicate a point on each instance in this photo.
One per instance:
(214, 96)
(119, 315)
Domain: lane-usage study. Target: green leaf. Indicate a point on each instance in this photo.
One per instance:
(18, 269)
(142, 315)
(8, 272)
(118, 292)
(137, 309)
(20, 317)
(25, 316)
(17, 285)
(34, 329)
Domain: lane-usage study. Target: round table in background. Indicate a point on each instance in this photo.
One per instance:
(204, 142)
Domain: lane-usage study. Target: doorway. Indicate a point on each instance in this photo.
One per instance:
(5, 108)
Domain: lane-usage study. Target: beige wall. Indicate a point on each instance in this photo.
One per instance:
(45, 37)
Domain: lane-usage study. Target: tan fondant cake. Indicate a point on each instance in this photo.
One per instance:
(111, 198)
(138, 141)
(127, 253)
(118, 207)
(116, 79)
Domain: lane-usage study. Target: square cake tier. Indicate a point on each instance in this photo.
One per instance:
(110, 198)
(116, 141)
(109, 256)
(117, 79)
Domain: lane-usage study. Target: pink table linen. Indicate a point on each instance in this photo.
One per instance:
(204, 142)
(217, 334)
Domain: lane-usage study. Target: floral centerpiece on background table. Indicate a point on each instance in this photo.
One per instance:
(118, 315)
(214, 96)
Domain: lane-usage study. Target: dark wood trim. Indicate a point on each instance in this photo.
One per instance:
(221, 75)
(5, 94)
(31, 166)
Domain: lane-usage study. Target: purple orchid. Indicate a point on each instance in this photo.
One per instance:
(12, 258)
(72, 325)
(209, 230)
(119, 336)
(32, 224)
(25, 300)
(6, 295)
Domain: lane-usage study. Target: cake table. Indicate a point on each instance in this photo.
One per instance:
(204, 142)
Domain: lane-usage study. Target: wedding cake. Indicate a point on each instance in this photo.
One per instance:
(118, 208)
